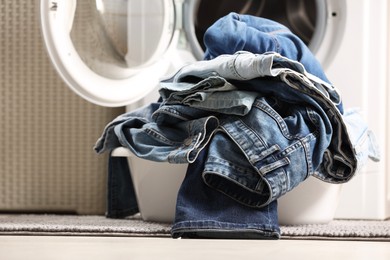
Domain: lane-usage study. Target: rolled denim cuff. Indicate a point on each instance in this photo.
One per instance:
(216, 229)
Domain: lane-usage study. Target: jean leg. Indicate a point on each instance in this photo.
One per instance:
(202, 212)
(121, 198)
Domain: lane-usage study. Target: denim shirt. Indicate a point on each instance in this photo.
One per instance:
(287, 136)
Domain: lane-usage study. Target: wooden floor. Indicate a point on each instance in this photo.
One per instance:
(65, 247)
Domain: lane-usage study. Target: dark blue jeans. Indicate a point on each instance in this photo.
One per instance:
(203, 212)
(121, 198)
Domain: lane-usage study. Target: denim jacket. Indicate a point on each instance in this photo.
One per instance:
(293, 130)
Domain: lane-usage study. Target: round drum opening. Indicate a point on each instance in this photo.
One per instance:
(305, 18)
(113, 37)
(109, 51)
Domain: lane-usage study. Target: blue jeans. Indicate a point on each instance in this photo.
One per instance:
(291, 117)
(206, 93)
(201, 212)
(235, 32)
(302, 112)
(121, 198)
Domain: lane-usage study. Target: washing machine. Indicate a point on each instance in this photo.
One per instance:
(114, 53)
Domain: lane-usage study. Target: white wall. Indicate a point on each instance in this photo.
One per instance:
(360, 70)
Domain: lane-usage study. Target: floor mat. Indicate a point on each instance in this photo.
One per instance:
(74, 225)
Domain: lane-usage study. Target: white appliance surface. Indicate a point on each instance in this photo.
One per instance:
(359, 70)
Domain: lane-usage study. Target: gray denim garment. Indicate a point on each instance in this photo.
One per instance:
(160, 133)
(206, 93)
(177, 133)
(215, 76)
(242, 66)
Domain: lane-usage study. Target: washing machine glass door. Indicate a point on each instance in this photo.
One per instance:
(110, 52)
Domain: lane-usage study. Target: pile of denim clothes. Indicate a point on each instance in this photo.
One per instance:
(254, 119)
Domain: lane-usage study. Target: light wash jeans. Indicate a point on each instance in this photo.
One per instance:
(177, 133)
(235, 32)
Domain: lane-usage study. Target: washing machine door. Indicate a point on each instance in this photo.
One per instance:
(102, 48)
